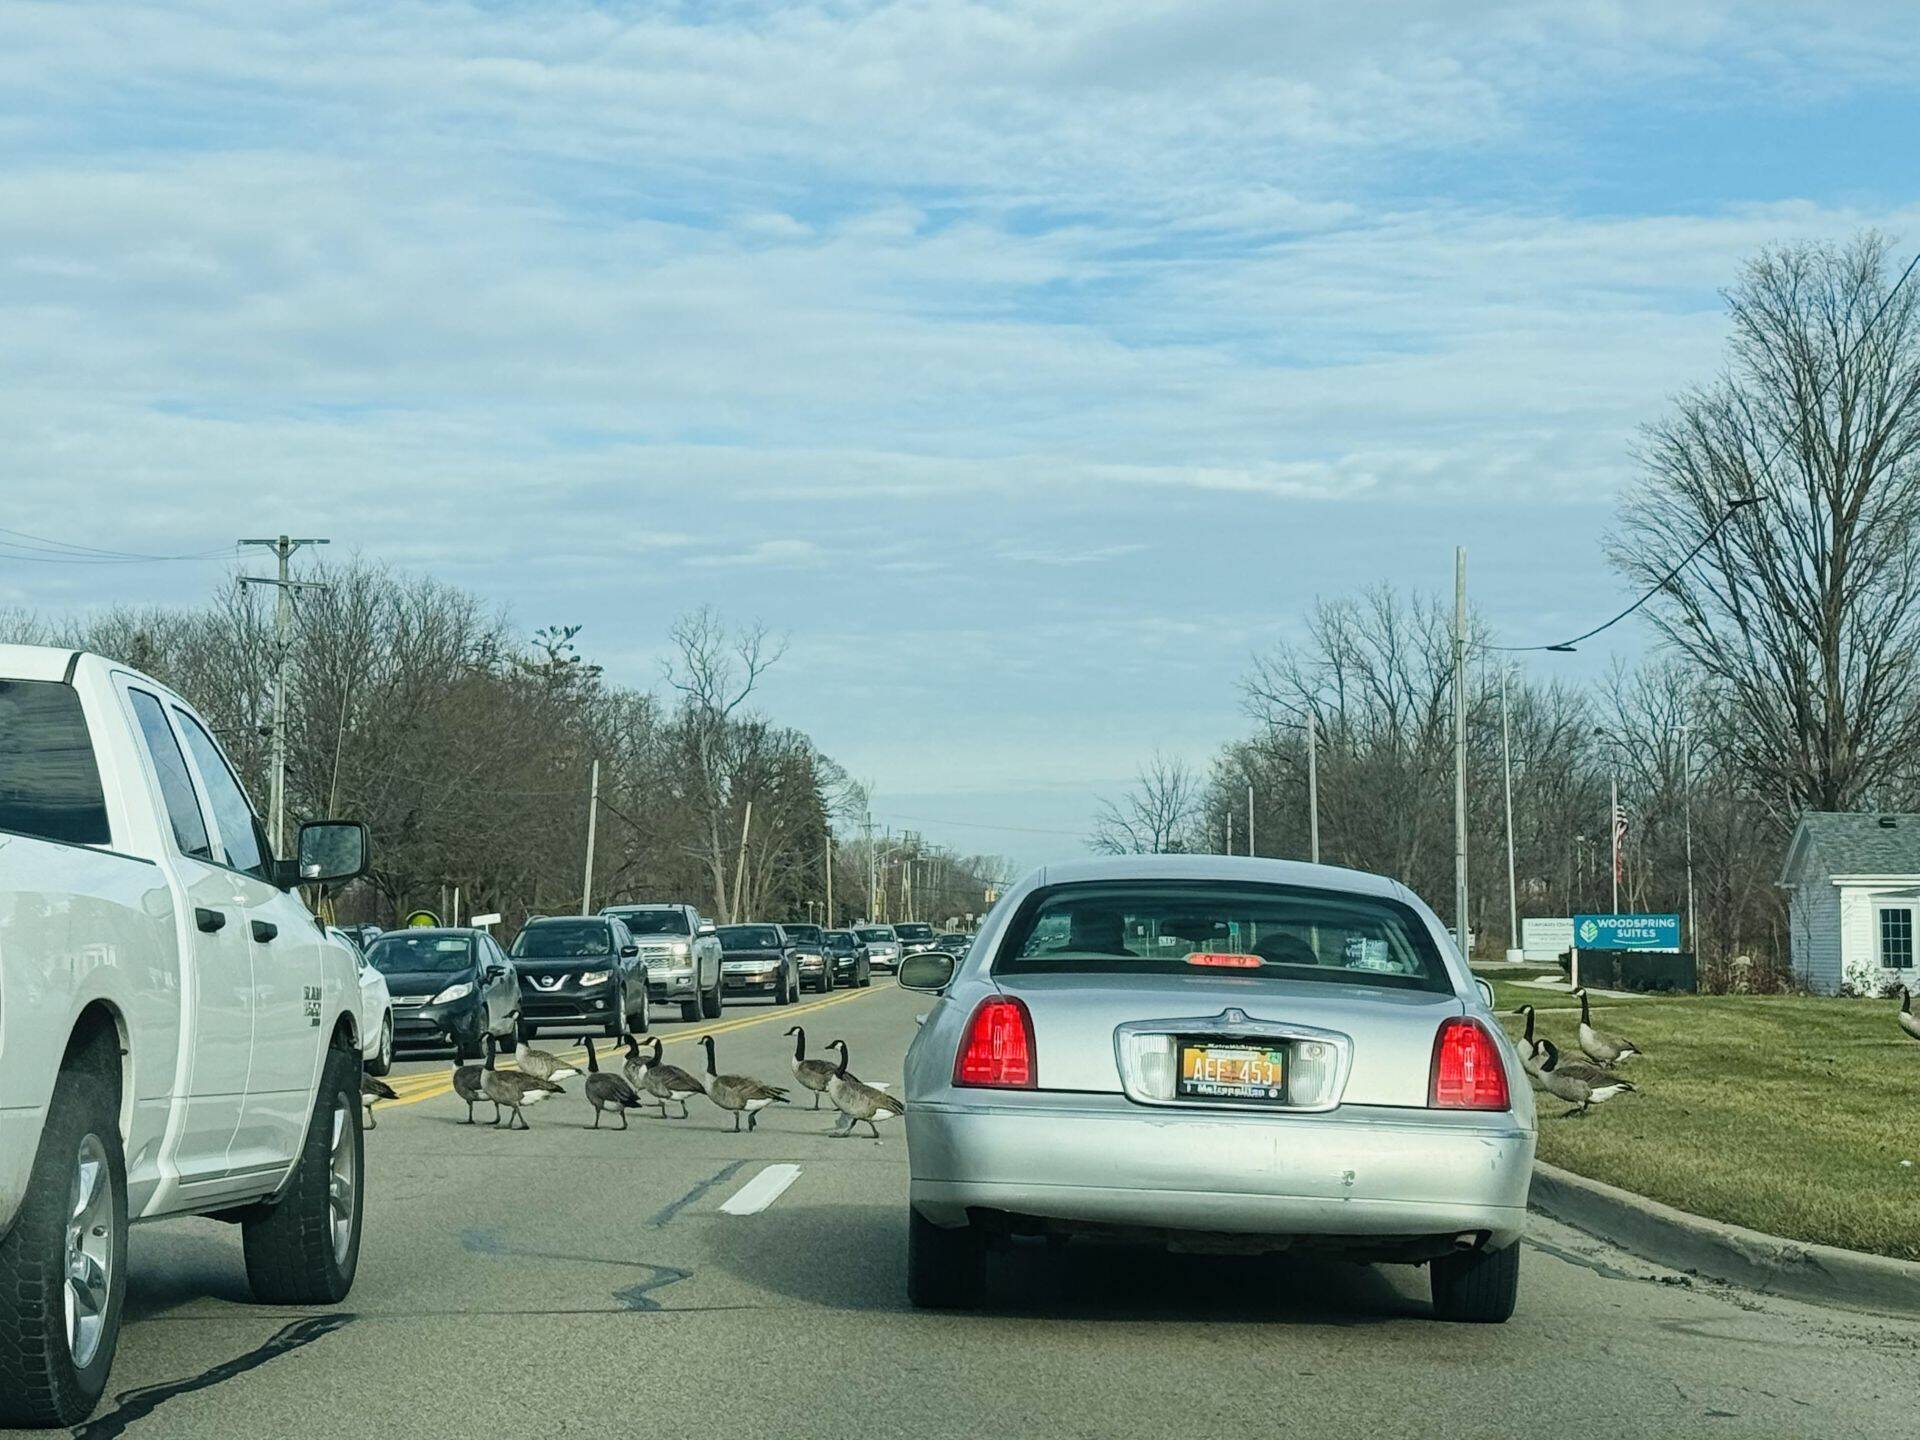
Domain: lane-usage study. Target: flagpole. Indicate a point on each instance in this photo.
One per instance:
(1613, 828)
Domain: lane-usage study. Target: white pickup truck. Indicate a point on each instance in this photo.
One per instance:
(178, 1036)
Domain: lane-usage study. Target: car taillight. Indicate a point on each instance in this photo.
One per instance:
(998, 1049)
(1467, 1070)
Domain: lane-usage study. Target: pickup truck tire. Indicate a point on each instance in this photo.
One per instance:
(693, 1009)
(710, 1002)
(79, 1158)
(304, 1249)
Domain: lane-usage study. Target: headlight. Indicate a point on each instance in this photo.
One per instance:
(680, 949)
(453, 993)
(596, 977)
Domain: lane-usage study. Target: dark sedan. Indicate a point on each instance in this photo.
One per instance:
(851, 963)
(449, 987)
(757, 960)
(581, 975)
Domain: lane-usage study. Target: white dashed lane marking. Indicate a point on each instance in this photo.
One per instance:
(761, 1191)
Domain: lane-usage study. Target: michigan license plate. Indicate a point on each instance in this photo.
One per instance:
(1211, 1071)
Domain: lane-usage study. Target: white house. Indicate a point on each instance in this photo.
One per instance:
(1853, 883)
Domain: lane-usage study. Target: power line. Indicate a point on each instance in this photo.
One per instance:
(1739, 502)
(54, 551)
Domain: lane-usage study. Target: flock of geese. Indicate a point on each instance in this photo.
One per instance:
(646, 1081)
(1581, 1083)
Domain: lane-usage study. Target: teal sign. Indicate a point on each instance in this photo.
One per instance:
(1626, 932)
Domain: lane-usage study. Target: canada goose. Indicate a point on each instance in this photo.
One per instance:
(814, 1074)
(1907, 1022)
(542, 1064)
(372, 1089)
(667, 1083)
(633, 1065)
(512, 1089)
(1603, 1047)
(1579, 1093)
(860, 1102)
(607, 1092)
(1535, 1061)
(741, 1094)
(467, 1084)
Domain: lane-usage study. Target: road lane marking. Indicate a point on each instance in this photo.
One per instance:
(724, 1174)
(441, 1082)
(761, 1191)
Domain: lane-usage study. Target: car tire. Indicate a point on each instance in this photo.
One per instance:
(41, 1384)
(296, 1251)
(1476, 1286)
(866, 977)
(382, 1061)
(643, 1022)
(691, 1010)
(711, 1001)
(946, 1269)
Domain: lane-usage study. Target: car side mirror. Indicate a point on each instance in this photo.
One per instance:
(627, 952)
(328, 852)
(1485, 989)
(930, 971)
(496, 972)
(708, 928)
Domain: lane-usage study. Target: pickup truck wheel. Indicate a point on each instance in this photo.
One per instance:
(1476, 1286)
(305, 1249)
(693, 1009)
(946, 1269)
(63, 1274)
(382, 1060)
(710, 1003)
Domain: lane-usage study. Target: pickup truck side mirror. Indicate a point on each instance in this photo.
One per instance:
(707, 927)
(328, 852)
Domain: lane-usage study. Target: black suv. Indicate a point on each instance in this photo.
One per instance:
(580, 974)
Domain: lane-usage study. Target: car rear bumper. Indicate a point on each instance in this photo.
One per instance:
(1359, 1173)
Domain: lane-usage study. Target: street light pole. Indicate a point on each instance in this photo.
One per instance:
(593, 822)
(1313, 787)
(1506, 766)
(1250, 849)
(1686, 805)
(1460, 751)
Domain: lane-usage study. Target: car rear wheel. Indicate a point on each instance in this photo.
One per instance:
(63, 1265)
(305, 1249)
(1476, 1286)
(382, 1060)
(946, 1269)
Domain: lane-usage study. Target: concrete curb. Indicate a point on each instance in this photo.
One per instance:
(1820, 1274)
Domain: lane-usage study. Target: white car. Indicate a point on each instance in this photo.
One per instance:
(177, 1037)
(376, 1008)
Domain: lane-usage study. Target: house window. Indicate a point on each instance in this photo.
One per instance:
(1896, 939)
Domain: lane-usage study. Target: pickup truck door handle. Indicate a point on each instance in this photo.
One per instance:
(264, 930)
(209, 920)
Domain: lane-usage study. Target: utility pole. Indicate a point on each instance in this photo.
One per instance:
(829, 881)
(1250, 850)
(1460, 750)
(1506, 766)
(740, 866)
(593, 820)
(1313, 787)
(283, 547)
(1686, 802)
(1229, 846)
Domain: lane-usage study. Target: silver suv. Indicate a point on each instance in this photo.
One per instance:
(681, 953)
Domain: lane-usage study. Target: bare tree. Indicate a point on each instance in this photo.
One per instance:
(1156, 817)
(1800, 615)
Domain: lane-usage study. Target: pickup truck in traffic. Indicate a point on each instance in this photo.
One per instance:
(178, 1034)
(681, 954)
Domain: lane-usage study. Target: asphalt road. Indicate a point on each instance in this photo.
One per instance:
(562, 1282)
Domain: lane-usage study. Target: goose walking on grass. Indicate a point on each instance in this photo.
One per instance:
(664, 1084)
(468, 1081)
(372, 1089)
(541, 1064)
(861, 1103)
(740, 1094)
(1581, 1094)
(514, 1089)
(1534, 1061)
(1603, 1047)
(814, 1074)
(608, 1092)
(1907, 1021)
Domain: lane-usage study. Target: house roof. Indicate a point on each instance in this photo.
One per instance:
(1874, 843)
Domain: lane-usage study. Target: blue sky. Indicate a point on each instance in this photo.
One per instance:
(1031, 363)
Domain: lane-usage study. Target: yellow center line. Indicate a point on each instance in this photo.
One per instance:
(415, 1088)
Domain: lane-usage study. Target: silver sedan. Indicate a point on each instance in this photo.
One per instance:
(1216, 1053)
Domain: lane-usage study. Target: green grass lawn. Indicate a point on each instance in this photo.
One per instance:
(1784, 1113)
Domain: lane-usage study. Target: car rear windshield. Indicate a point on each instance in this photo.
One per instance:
(653, 922)
(565, 940)
(404, 954)
(914, 932)
(1251, 932)
(876, 935)
(749, 937)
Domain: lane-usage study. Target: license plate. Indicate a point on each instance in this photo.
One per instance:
(1213, 1071)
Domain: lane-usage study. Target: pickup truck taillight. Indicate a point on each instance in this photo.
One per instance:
(997, 1052)
(1467, 1072)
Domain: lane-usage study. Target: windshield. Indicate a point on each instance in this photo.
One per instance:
(404, 954)
(1250, 932)
(914, 932)
(839, 939)
(564, 940)
(749, 937)
(806, 934)
(876, 934)
(653, 922)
